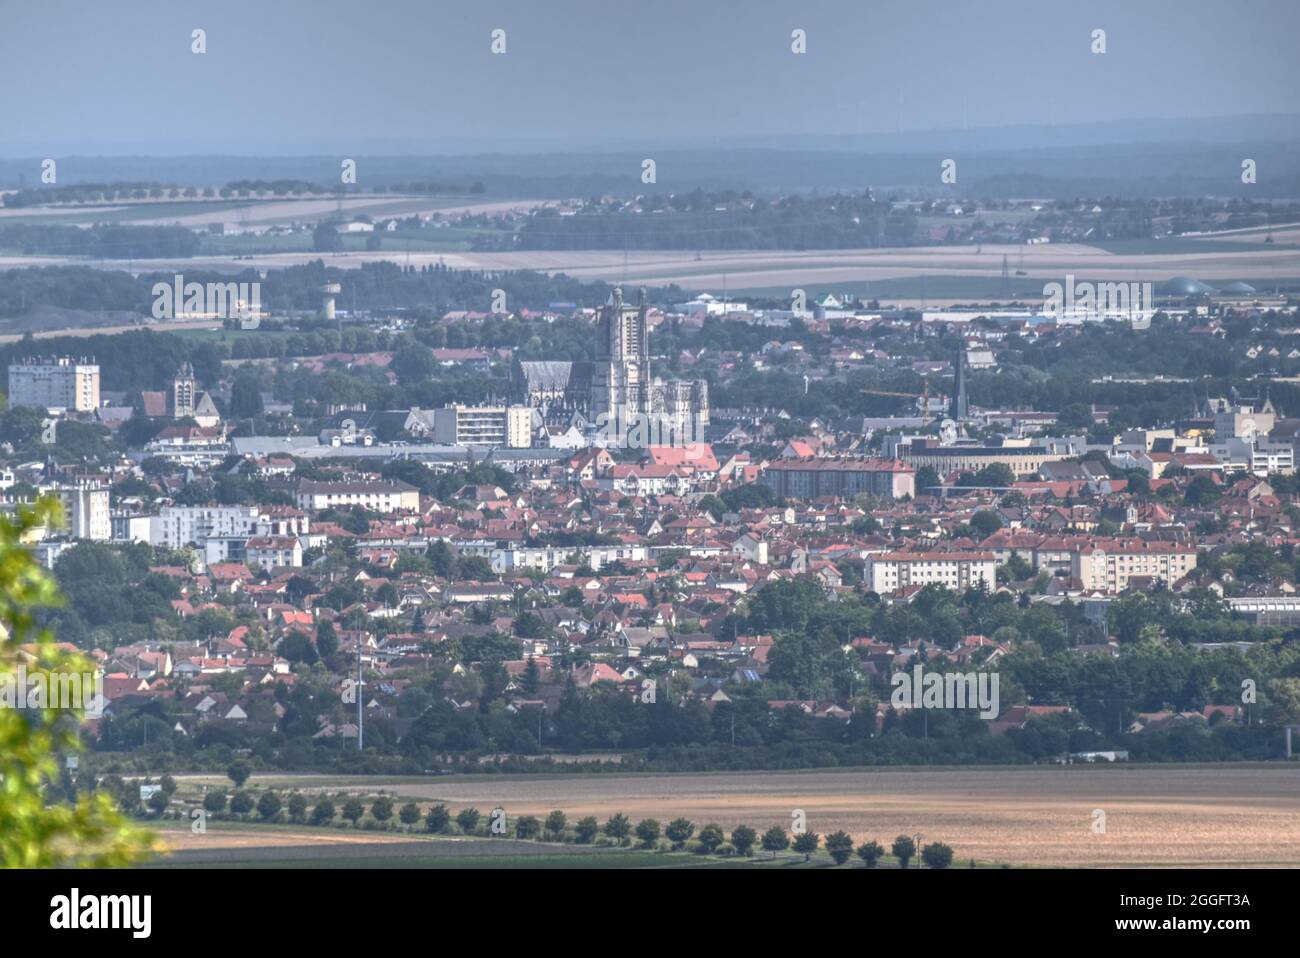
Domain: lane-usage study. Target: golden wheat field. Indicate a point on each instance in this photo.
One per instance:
(1208, 815)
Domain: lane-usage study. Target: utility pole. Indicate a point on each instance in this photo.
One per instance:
(361, 699)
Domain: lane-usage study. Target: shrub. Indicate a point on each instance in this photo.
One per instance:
(323, 813)
(585, 831)
(870, 853)
(679, 831)
(618, 827)
(382, 808)
(744, 838)
(268, 806)
(556, 822)
(438, 819)
(840, 846)
(775, 840)
(409, 814)
(527, 827)
(158, 802)
(711, 837)
(903, 849)
(647, 830)
(241, 803)
(215, 801)
(937, 855)
(297, 807)
(353, 810)
(467, 819)
(806, 843)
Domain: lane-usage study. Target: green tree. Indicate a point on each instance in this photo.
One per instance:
(775, 840)
(268, 806)
(586, 830)
(647, 830)
(297, 807)
(619, 827)
(711, 836)
(158, 802)
(744, 838)
(215, 801)
(936, 855)
(246, 395)
(556, 822)
(238, 773)
(679, 831)
(409, 813)
(985, 523)
(806, 843)
(437, 819)
(323, 813)
(1201, 491)
(527, 827)
(903, 849)
(870, 853)
(353, 810)
(467, 820)
(926, 478)
(381, 809)
(241, 803)
(840, 846)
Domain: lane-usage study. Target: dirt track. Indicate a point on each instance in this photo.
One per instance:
(1155, 815)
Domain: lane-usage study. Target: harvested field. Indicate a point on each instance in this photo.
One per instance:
(1227, 815)
(739, 270)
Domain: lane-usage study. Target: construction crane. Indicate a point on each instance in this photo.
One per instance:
(923, 395)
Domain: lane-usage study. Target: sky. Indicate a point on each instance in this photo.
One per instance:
(418, 76)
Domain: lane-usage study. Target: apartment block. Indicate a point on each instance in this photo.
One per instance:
(843, 478)
(377, 496)
(177, 526)
(59, 382)
(889, 573)
(509, 426)
(1108, 565)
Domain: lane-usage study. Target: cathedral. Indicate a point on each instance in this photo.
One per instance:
(617, 390)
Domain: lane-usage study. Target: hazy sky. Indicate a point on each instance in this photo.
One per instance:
(418, 75)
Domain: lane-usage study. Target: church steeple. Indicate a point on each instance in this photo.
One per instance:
(960, 408)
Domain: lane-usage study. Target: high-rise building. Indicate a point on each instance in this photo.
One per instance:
(55, 383)
(509, 426)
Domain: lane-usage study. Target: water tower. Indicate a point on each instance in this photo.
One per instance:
(327, 293)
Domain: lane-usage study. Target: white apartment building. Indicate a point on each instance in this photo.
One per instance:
(546, 558)
(1260, 456)
(375, 495)
(509, 426)
(131, 528)
(274, 552)
(177, 526)
(85, 509)
(55, 383)
(1107, 565)
(888, 573)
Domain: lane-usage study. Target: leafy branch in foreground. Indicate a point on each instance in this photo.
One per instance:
(38, 830)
